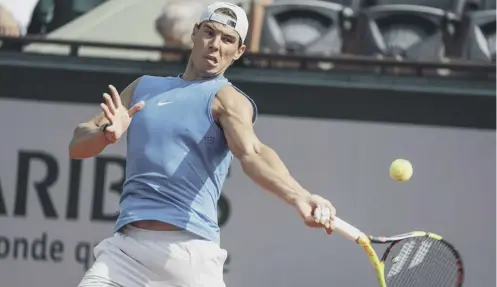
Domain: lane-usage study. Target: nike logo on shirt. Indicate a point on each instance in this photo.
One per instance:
(163, 103)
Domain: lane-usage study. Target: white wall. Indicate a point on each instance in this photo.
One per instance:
(451, 193)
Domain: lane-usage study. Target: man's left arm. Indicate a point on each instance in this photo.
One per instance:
(260, 162)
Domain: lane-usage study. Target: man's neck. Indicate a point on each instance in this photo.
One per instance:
(191, 74)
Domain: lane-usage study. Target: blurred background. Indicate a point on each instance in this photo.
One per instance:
(343, 89)
(438, 30)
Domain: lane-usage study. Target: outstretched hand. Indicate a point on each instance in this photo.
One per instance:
(306, 207)
(118, 116)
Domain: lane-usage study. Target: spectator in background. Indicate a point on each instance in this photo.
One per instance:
(175, 23)
(15, 16)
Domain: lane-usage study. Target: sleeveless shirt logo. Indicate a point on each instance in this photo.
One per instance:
(209, 140)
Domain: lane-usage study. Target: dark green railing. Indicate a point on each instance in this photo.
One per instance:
(263, 60)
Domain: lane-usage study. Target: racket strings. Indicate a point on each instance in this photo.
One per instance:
(430, 273)
(440, 269)
(421, 262)
(424, 274)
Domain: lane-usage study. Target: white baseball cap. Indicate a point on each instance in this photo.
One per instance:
(241, 23)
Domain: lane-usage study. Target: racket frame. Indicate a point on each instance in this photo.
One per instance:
(365, 241)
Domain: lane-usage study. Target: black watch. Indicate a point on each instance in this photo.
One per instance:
(104, 127)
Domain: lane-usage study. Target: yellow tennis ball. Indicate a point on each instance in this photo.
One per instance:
(401, 170)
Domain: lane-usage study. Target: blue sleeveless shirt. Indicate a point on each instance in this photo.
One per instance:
(177, 156)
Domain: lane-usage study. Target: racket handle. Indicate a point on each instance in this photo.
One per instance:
(347, 230)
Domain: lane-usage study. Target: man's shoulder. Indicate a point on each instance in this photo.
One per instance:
(229, 90)
(233, 99)
(231, 94)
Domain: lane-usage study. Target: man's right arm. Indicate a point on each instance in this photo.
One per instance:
(88, 139)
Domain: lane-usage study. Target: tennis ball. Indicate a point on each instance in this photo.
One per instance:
(401, 170)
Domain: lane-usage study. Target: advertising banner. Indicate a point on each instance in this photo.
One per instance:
(53, 210)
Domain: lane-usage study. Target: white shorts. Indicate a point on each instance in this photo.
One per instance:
(144, 258)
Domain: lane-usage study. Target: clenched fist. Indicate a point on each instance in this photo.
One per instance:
(306, 207)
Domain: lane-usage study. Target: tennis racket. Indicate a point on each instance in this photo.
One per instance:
(414, 259)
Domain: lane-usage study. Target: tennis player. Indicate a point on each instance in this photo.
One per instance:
(182, 134)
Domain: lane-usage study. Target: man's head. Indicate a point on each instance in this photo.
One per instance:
(218, 38)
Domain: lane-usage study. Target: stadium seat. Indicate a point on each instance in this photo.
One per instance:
(408, 29)
(477, 37)
(307, 27)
